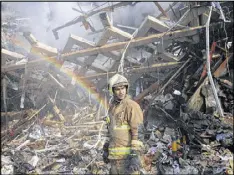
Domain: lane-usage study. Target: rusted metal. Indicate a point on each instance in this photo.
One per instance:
(161, 9)
(222, 67)
(211, 54)
(195, 102)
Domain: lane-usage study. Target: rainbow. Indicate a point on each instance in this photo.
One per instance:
(81, 82)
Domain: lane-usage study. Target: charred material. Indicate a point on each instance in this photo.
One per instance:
(55, 100)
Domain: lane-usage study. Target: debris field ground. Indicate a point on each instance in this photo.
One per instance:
(180, 66)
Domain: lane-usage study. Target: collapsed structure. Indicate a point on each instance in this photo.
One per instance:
(180, 67)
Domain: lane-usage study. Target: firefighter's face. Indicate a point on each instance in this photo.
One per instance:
(120, 92)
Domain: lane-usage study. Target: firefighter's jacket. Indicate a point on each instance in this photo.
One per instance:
(125, 117)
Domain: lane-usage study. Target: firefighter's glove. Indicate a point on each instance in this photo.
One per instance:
(137, 145)
(105, 153)
(134, 162)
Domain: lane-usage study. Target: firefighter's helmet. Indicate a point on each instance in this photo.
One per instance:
(117, 80)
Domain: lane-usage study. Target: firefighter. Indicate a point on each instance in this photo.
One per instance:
(125, 121)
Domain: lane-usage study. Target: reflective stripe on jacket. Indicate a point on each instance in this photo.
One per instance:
(119, 151)
(125, 117)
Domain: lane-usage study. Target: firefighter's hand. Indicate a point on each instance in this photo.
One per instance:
(105, 157)
(137, 145)
(134, 162)
(105, 153)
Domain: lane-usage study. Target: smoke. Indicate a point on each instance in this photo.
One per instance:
(45, 16)
(135, 15)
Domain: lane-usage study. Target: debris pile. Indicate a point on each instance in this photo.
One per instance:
(192, 143)
(50, 146)
(54, 101)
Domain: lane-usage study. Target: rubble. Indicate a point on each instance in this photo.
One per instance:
(55, 101)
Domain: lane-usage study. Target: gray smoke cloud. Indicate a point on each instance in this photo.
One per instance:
(45, 16)
(135, 15)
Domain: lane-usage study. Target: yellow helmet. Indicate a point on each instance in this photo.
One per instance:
(117, 80)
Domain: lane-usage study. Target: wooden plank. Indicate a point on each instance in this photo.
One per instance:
(11, 55)
(147, 91)
(102, 83)
(121, 35)
(38, 46)
(110, 32)
(30, 38)
(134, 43)
(7, 68)
(76, 40)
(48, 50)
(113, 32)
(104, 38)
(81, 41)
(73, 39)
(57, 110)
(89, 61)
(151, 22)
(135, 70)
